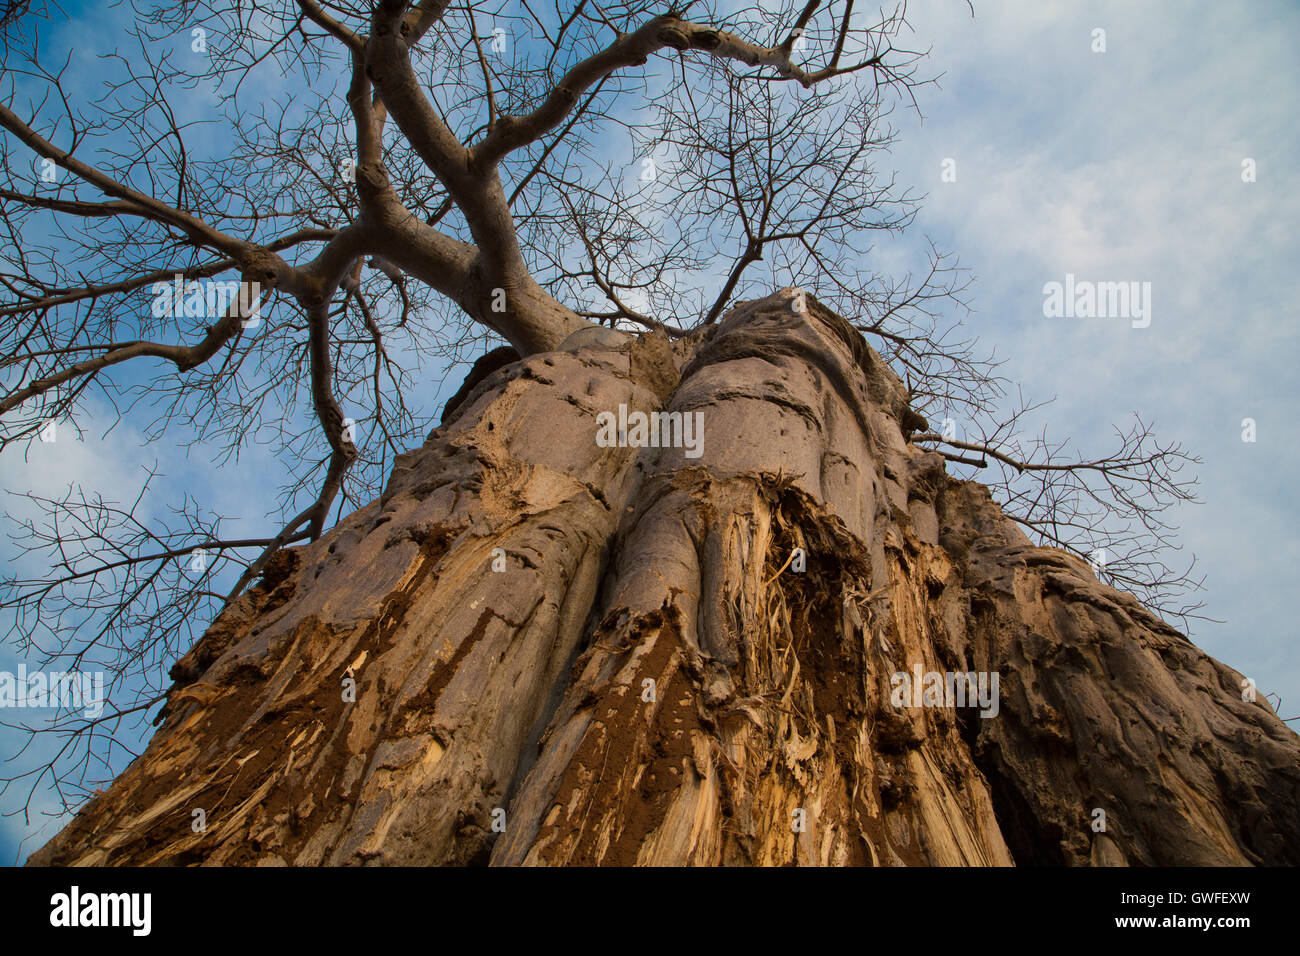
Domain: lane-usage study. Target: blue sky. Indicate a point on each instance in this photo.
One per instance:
(1126, 165)
(1122, 165)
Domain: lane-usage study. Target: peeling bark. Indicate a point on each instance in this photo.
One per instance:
(528, 690)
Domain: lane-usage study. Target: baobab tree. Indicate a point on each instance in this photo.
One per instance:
(506, 640)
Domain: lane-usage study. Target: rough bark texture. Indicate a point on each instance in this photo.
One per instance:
(526, 689)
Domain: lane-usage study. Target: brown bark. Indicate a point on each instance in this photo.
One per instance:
(525, 690)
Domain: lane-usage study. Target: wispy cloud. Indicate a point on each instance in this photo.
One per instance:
(1126, 165)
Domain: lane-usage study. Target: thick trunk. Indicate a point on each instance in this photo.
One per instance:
(649, 677)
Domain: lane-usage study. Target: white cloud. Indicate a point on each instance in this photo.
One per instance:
(1126, 166)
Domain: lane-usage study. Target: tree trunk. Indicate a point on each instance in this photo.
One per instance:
(644, 674)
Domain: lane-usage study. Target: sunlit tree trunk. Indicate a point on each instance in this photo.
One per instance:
(533, 649)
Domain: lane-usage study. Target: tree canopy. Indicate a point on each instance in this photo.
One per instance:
(379, 188)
